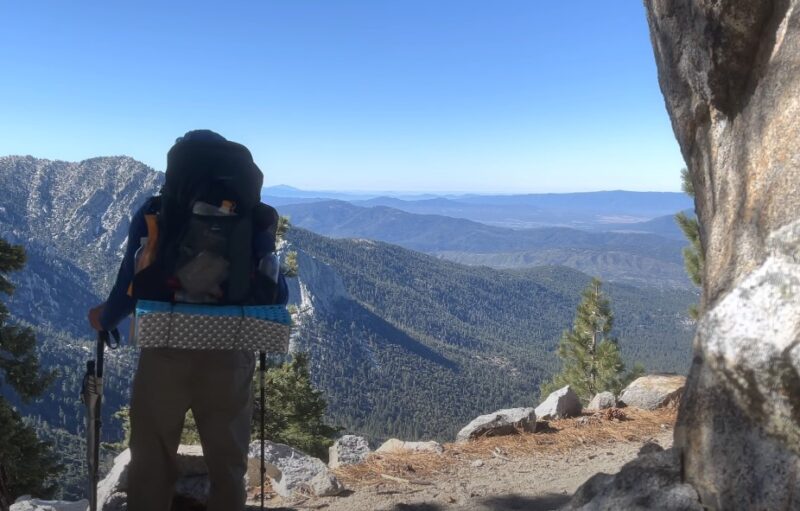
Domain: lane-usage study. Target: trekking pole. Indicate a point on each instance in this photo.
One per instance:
(262, 361)
(92, 397)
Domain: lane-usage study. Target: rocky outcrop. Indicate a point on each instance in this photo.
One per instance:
(602, 401)
(394, 445)
(728, 71)
(653, 391)
(501, 422)
(650, 482)
(348, 450)
(191, 488)
(111, 491)
(290, 471)
(564, 402)
(739, 427)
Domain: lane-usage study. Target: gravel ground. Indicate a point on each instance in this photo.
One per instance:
(531, 483)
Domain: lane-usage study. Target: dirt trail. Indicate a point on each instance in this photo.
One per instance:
(506, 480)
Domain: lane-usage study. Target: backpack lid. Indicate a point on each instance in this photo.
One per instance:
(201, 157)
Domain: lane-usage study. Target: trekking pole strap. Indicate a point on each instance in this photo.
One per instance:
(106, 336)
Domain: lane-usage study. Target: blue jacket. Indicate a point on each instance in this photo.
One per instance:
(120, 305)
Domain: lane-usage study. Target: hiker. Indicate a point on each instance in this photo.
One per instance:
(215, 384)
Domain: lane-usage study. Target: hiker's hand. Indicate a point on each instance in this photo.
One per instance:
(94, 316)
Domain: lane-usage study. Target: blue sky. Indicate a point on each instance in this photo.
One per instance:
(407, 95)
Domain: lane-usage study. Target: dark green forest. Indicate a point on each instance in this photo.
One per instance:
(421, 345)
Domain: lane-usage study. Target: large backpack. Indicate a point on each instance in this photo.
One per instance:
(201, 228)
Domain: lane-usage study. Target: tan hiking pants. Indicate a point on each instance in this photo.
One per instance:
(216, 386)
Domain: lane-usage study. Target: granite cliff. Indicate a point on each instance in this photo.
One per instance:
(728, 72)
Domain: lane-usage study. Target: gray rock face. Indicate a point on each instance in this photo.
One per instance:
(348, 450)
(395, 445)
(653, 391)
(290, 471)
(564, 402)
(649, 482)
(728, 71)
(499, 423)
(602, 401)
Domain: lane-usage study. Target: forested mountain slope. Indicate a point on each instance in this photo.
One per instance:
(430, 343)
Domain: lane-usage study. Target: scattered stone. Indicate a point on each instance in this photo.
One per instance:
(395, 445)
(290, 471)
(648, 482)
(500, 454)
(499, 423)
(587, 420)
(477, 463)
(560, 404)
(348, 450)
(602, 401)
(653, 391)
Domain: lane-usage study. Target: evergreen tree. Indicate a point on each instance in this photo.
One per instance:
(289, 268)
(295, 409)
(693, 254)
(27, 463)
(591, 360)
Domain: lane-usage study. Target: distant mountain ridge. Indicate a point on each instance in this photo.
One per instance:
(590, 210)
(641, 258)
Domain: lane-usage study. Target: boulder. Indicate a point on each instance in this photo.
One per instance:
(191, 487)
(728, 72)
(393, 445)
(649, 482)
(27, 503)
(348, 450)
(602, 401)
(562, 403)
(190, 461)
(653, 391)
(114, 484)
(501, 422)
(290, 471)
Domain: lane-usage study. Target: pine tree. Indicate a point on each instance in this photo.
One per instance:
(295, 409)
(591, 360)
(289, 268)
(693, 257)
(28, 464)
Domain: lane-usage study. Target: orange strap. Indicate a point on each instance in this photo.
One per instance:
(148, 256)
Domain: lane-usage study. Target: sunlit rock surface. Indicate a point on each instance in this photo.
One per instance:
(729, 74)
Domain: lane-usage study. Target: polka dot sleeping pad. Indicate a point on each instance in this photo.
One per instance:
(212, 327)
